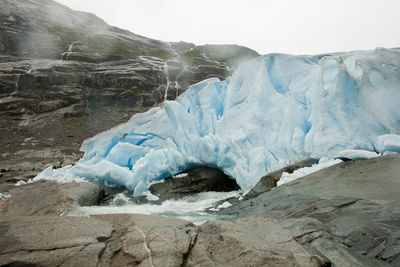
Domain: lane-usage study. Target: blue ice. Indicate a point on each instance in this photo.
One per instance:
(274, 110)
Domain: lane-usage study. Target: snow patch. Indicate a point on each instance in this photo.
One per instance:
(62, 176)
(180, 175)
(357, 154)
(20, 182)
(323, 163)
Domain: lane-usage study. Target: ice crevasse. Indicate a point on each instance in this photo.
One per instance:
(274, 110)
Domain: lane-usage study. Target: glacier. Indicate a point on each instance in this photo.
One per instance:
(388, 143)
(274, 110)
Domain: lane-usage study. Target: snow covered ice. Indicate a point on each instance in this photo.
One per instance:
(356, 154)
(275, 110)
(388, 143)
(323, 163)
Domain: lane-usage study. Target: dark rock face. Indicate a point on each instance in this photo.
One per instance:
(348, 213)
(269, 181)
(202, 179)
(66, 76)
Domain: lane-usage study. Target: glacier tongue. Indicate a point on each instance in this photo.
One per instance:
(274, 110)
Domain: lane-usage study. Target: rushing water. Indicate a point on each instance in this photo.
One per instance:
(193, 208)
(197, 208)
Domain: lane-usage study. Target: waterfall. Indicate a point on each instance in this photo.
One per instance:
(166, 73)
(16, 85)
(177, 57)
(69, 51)
(177, 85)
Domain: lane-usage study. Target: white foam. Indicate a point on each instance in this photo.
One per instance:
(191, 208)
(224, 205)
(120, 199)
(4, 196)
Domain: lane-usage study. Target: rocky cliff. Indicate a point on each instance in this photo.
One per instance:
(67, 75)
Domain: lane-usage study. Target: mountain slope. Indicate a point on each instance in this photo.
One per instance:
(70, 72)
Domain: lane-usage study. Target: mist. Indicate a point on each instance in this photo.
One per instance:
(297, 27)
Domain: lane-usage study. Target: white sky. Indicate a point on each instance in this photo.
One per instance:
(287, 26)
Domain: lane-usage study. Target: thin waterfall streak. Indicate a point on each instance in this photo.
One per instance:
(166, 73)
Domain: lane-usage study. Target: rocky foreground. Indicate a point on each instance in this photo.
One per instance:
(345, 215)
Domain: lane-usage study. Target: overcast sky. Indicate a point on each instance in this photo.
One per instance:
(287, 26)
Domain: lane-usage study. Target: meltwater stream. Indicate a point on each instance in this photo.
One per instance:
(197, 208)
(193, 208)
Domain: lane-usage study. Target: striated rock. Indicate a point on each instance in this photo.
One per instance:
(347, 214)
(50, 241)
(246, 242)
(48, 198)
(202, 179)
(104, 240)
(144, 240)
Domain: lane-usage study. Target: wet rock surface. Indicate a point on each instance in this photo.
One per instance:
(202, 179)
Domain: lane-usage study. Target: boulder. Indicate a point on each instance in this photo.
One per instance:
(102, 240)
(48, 198)
(52, 240)
(202, 179)
(145, 240)
(246, 242)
